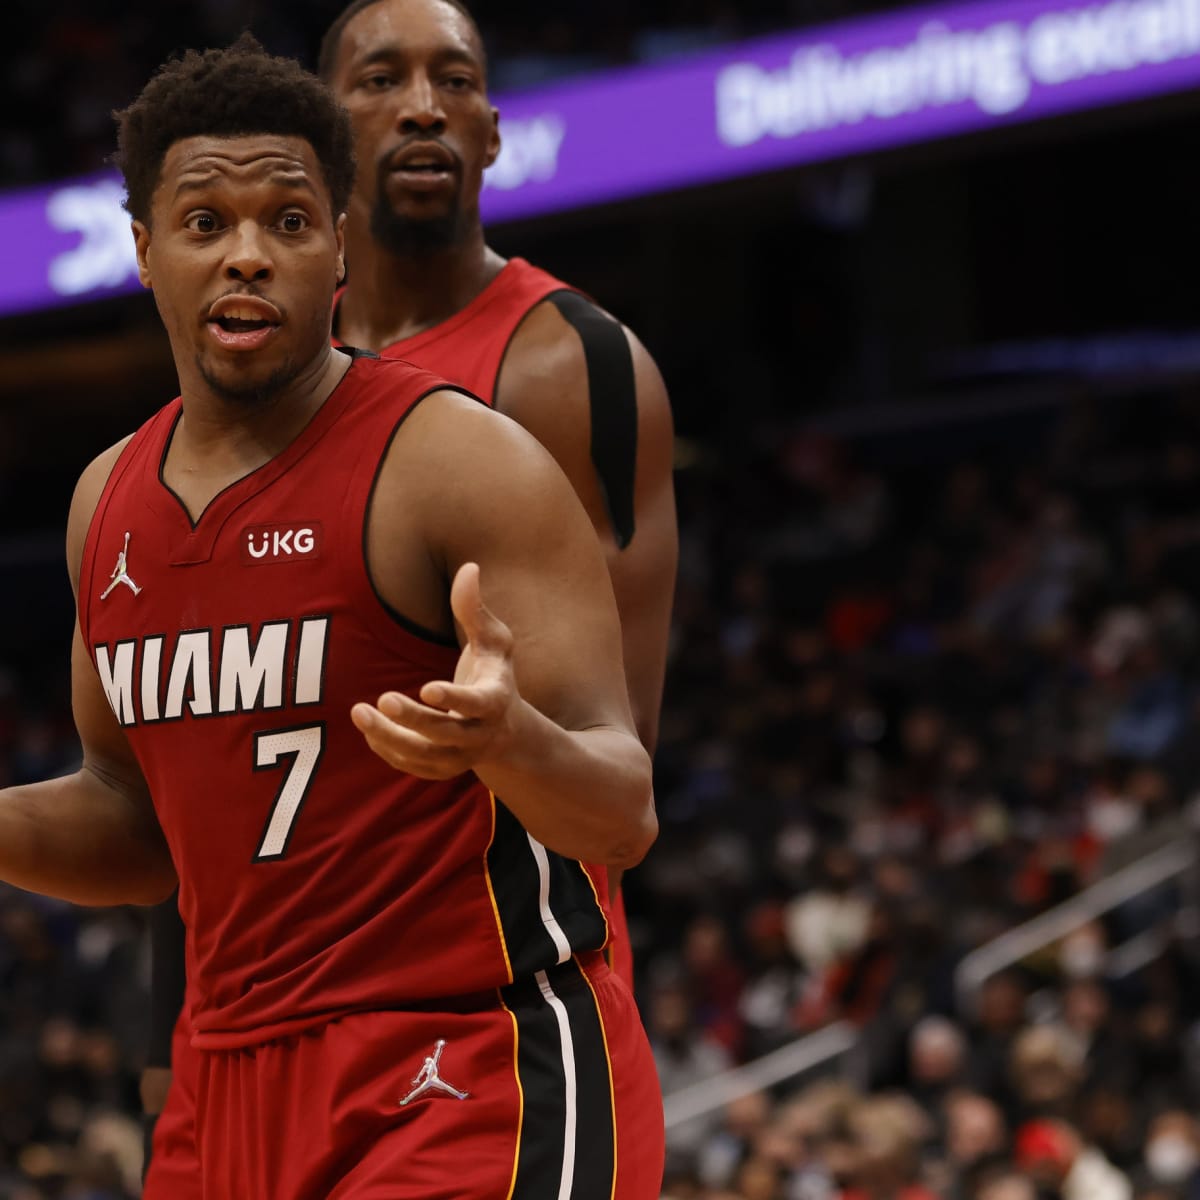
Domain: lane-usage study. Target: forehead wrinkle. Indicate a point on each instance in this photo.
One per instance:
(211, 168)
(202, 183)
(393, 54)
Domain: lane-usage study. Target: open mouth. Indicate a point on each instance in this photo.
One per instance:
(241, 333)
(242, 324)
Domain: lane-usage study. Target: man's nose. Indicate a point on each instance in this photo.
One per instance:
(249, 257)
(420, 109)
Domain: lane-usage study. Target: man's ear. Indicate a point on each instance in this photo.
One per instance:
(493, 150)
(141, 241)
(339, 231)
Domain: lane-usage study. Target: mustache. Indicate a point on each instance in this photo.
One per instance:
(389, 160)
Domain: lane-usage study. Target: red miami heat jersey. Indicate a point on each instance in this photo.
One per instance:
(469, 347)
(314, 879)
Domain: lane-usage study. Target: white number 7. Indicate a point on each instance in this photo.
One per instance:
(304, 746)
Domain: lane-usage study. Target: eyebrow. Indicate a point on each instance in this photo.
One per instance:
(282, 178)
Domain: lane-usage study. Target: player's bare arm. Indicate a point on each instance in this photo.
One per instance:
(538, 707)
(543, 386)
(91, 837)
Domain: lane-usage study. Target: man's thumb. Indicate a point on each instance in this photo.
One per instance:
(483, 629)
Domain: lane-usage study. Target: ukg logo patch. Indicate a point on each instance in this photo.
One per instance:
(281, 543)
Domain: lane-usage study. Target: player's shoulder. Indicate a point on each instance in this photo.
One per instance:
(452, 441)
(386, 378)
(567, 331)
(88, 489)
(95, 475)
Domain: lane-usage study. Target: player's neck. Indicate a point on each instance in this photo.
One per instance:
(391, 297)
(219, 441)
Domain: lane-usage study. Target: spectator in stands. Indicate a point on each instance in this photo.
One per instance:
(684, 1055)
(1000, 1015)
(1004, 1183)
(937, 1051)
(889, 1132)
(1055, 1157)
(1172, 1154)
(1047, 1069)
(975, 1135)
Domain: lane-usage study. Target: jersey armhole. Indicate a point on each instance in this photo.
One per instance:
(411, 627)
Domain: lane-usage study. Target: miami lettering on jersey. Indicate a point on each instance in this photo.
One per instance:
(212, 672)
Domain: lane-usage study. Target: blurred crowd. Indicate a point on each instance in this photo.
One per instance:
(67, 65)
(924, 685)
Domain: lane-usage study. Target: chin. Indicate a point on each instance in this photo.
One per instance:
(403, 232)
(251, 388)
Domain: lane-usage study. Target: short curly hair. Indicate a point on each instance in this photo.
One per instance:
(238, 91)
(331, 42)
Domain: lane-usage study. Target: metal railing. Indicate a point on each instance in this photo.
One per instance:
(795, 1059)
(841, 1038)
(1018, 944)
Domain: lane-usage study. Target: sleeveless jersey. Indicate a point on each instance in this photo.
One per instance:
(314, 879)
(469, 347)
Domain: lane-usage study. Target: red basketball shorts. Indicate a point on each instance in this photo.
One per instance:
(174, 1170)
(619, 950)
(547, 1093)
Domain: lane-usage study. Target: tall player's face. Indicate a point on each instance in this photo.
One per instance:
(243, 254)
(411, 74)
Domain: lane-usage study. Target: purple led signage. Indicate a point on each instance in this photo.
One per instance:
(817, 94)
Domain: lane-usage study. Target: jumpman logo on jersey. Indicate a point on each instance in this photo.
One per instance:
(121, 574)
(427, 1078)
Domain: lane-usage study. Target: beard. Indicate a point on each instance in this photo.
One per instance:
(250, 394)
(406, 237)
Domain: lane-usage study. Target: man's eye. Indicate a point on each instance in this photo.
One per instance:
(459, 82)
(294, 222)
(203, 222)
(377, 83)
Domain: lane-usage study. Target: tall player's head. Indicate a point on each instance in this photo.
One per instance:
(413, 76)
(238, 168)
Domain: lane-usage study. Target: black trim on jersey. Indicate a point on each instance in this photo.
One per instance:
(287, 763)
(542, 1074)
(612, 403)
(355, 354)
(417, 630)
(516, 887)
(168, 979)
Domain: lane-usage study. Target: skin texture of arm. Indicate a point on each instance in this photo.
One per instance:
(538, 707)
(92, 837)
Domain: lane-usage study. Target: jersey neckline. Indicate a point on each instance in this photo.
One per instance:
(200, 534)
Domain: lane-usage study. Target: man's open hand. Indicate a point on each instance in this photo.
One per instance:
(453, 726)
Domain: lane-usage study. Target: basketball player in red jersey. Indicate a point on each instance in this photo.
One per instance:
(377, 790)
(425, 286)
